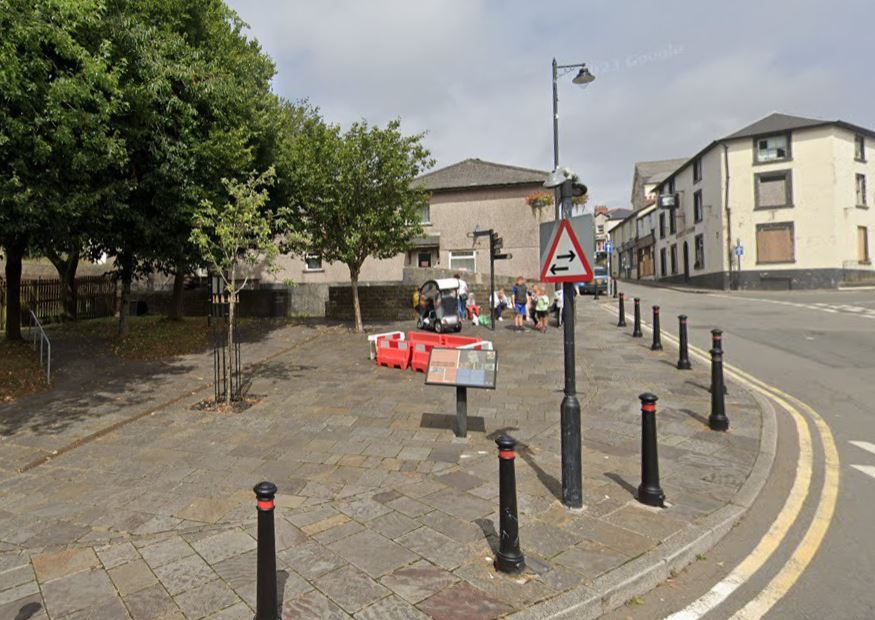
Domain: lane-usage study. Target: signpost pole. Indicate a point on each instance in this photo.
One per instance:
(491, 285)
(572, 476)
(461, 411)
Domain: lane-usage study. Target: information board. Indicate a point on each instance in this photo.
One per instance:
(462, 368)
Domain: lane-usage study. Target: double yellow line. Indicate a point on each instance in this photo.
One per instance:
(801, 557)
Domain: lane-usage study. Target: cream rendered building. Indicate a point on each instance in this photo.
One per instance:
(793, 193)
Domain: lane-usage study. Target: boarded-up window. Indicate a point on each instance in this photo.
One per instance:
(862, 244)
(775, 243)
(773, 189)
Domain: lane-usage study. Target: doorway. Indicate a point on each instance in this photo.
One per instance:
(686, 262)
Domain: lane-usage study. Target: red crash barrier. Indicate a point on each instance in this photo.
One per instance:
(393, 353)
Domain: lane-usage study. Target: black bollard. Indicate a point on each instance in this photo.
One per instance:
(595, 295)
(717, 420)
(622, 321)
(509, 558)
(683, 350)
(717, 343)
(266, 599)
(649, 492)
(636, 328)
(657, 336)
(614, 282)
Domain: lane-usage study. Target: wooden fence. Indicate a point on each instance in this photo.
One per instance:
(95, 297)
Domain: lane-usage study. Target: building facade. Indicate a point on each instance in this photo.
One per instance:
(783, 203)
(464, 196)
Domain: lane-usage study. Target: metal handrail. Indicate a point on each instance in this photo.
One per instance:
(35, 323)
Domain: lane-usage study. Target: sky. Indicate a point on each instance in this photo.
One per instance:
(671, 76)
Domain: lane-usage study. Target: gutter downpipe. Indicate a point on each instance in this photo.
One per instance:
(728, 218)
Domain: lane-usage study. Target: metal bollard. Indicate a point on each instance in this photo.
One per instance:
(657, 336)
(622, 321)
(509, 558)
(595, 296)
(717, 343)
(683, 350)
(649, 492)
(266, 599)
(636, 328)
(717, 420)
(615, 288)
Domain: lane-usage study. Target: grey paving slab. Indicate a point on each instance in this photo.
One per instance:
(373, 553)
(350, 588)
(206, 599)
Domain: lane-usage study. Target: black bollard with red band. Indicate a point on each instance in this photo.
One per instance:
(636, 327)
(683, 349)
(622, 305)
(717, 344)
(649, 492)
(266, 599)
(717, 421)
(509, 558)
(657, 336)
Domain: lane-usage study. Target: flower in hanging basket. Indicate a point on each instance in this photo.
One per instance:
(536, 200)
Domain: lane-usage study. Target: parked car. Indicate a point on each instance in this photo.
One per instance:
(600, 281)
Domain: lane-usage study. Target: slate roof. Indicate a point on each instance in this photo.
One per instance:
(478, 173)
(776, 123)
(657, 171)
(619, 214)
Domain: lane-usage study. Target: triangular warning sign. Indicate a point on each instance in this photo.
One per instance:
(565, 261)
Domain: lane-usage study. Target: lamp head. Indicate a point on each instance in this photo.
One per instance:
(583, 77)
(557, 178)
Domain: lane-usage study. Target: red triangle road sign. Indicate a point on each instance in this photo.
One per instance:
(565, 261)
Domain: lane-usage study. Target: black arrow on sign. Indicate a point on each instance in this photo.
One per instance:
(554, 269)
(570, 256)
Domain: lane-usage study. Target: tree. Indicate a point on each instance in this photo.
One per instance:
(58, 95)
(236, 234)
(352, 194)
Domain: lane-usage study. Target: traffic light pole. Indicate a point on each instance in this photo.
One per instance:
(572, 475)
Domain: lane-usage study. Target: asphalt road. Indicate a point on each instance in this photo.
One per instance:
(819, 347)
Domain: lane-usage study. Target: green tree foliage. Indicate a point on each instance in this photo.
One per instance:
(58, 147)
(351, 195)
(235, 235)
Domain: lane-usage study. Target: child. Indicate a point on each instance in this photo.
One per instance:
(499, 303)
(520, 299)
(473, 310)
(542, 304)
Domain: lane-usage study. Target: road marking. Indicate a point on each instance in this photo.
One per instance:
(813, 538)
(869, 470)
(864, 445)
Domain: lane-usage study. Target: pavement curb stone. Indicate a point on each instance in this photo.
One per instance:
(642, 574)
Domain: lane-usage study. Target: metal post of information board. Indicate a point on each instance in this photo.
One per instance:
(461, 411)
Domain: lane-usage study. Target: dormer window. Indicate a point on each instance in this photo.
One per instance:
(772, 148)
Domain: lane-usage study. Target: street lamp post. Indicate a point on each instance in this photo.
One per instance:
(572, 476)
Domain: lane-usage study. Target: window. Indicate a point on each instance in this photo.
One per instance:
(772, 148)
(697, 206)
(663, 268)
(670, 186)
(674, 259)
(775, 243)
(699, 253)
(863, 245)
(672, 221)
(462, 260)
(861, 190)
(424, 259)
(662, 225)
(313, 262)
(697, 170)
(773, 190)
(600, 229)
(859, 148)
(425, 214)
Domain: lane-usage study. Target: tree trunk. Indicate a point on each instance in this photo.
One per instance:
(14, 256)
(356, 306)
(176, 311)
(124, 327)
(66, 268)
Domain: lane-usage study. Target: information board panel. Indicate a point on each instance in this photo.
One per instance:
(462, 368)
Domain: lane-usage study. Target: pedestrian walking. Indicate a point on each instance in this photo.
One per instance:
(463, 296)
(520, 295)
(542, 307)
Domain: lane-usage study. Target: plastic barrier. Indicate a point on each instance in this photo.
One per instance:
(419, 355)
(373, 338)
(455, 342)
(393, 353)
(483, 345)
(434, 340)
